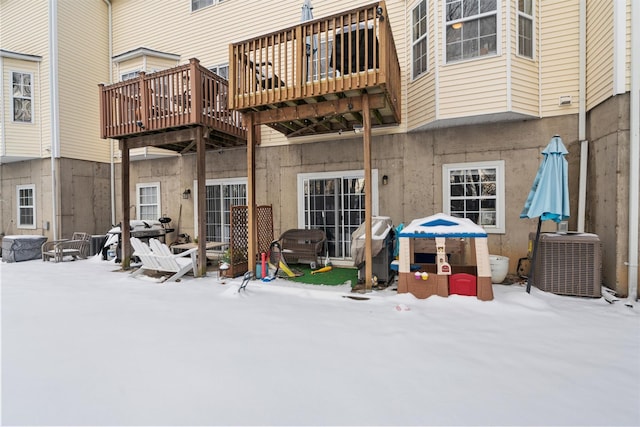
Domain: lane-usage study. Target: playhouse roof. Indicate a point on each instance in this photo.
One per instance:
(442, 225)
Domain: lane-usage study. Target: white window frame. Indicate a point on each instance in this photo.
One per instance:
(498, 165)
(529, 17)
(130, 75)
(218, 181)
(202, 4)
(346, 174)
(468, 19)
(217, 69)
(20, 206)
(23, 97)
(140, 205)
(422, 39)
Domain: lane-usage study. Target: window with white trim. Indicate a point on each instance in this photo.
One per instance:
(130, 75)
(26, 196)
(222, 70)
(334, 203)
(471, 29)
(419, 42)
(200, 4)
(148, 201)
(475, 191)
(221, 194)
(22, 97)
(525, 28)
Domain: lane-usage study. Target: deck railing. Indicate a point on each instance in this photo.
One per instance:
(353, 50)
(168, 99)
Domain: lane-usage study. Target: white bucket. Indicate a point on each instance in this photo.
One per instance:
(499, 268)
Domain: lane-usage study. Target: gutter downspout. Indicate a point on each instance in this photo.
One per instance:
(112, 166)
(54, 111)
(634, 154)
(582, 116)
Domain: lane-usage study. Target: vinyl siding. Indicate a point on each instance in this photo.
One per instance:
(24, 30)
(559, 40)
(473, 88)
(600, 46)
(525, 76)
(421, 92)
(83, 62)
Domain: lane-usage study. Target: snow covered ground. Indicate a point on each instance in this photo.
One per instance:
(85, 344)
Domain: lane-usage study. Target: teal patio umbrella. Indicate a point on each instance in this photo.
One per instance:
(549, 195)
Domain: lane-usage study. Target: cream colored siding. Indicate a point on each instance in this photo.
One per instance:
(472, 88)
(16, 14)
(421, 93)
(525, 76)
(600, 52)
(524, 86)
(21, 139)
(83, 62)
(154, 64)
(559, 55)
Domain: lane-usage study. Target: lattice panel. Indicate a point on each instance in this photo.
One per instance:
(265, 228)
(239, 235)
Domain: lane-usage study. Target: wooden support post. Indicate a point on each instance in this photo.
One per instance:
(202, 202)
(368, 193)
(195, 91)
(125, 235)
(252, 231)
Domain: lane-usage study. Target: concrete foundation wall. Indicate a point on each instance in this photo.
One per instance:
(413, 163)
(608, 187)
(83, 196)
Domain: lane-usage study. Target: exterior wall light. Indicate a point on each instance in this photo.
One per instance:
(186, 194)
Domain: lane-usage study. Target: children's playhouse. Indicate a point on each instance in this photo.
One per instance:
(432, 258)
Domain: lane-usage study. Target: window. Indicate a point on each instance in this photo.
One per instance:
(130, 75)
(419, 44)
(319, 68)
(221, 70)
(200, 4)
(220, 196)
(334, 203)
(471, 29)
(22, 97)
(475, 191)
(525, 28)
(148, 201)
(26, 195)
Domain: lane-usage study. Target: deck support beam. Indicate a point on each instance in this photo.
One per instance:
(125, 232)
(368, 196)
(320, 109)
(202, 202)
(252, 231)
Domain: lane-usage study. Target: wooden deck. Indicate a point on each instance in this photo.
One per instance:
(309, 79)
(166, 101)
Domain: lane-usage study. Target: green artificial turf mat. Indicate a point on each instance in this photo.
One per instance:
(337, 275)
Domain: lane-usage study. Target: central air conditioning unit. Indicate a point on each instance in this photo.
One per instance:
(567, 264)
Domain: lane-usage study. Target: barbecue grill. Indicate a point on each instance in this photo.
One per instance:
(143, 230)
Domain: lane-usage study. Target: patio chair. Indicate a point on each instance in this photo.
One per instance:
(76, 247)
(158, 257)
(265, 75)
